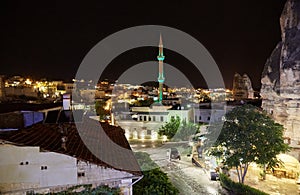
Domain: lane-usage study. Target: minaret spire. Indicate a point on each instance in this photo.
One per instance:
(161, 76)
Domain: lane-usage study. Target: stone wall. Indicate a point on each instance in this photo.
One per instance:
(27, 169)
(98, 175)
(27, 91)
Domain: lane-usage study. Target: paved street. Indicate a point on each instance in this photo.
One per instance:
(188, 178)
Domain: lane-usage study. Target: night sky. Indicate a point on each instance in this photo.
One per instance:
(50, 38)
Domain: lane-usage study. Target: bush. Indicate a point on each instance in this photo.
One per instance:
(154, 181)
(238, 188)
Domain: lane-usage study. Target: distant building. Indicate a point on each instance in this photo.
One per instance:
(19, 91)
(144, 122)
(171, 101)
(62, 88)
(207, 115)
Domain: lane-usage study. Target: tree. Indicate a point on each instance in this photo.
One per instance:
(249, 135)
(154, 181)
(186, 130)
(170, 129)
(204, 98)
(146, 102)
(99, 107)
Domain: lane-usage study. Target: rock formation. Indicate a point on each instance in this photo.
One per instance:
(242, 87)
(281, 77)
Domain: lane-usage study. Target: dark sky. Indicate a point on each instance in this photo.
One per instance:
(50, 38)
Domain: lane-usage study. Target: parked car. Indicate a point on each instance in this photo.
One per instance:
(213, 169)
(174, 154)
(213, 174)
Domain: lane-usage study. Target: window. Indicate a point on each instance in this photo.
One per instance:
(43, 167)
(26, 163)
(145, 118)
(161, 118)
(208, 118)
(141, 118)
(153, 118)
(149, 132)
(80, 174)
(200, 118)
(287, 140)
(149, 118)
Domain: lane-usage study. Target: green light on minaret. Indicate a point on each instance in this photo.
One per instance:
(160, 58)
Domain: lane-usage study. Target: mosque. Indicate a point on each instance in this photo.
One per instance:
(144, 122)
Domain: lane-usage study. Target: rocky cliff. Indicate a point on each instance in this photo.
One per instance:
(281, 76)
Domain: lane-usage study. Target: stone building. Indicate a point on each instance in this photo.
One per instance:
(280, 81)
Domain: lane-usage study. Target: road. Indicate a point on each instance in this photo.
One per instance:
(188, 178)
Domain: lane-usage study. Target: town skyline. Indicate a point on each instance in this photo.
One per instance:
(197, 97)
(39, 41)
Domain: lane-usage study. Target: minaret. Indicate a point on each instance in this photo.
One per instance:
(161, 76)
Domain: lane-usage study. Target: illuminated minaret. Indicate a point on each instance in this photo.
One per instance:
(161, 75)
